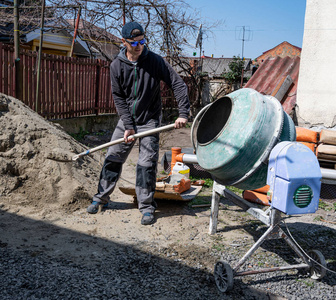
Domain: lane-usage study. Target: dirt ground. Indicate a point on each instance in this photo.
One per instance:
(42, 198)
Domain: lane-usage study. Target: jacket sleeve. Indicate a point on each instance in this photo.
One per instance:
(180, 89)
(119, 97)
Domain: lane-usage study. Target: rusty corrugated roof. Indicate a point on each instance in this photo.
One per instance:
(270, 74)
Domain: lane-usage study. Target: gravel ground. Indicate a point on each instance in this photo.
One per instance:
(149, 271)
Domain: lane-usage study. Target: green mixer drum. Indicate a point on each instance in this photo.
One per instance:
(236, 134)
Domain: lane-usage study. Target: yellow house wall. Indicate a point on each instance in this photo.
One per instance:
(52, 48)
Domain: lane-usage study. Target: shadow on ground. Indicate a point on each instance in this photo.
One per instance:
(62, 264)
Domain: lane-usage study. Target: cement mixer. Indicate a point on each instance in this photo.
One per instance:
(234, 135)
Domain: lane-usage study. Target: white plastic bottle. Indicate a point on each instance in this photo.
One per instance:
(181, 168)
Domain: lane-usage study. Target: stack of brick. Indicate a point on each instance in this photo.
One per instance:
(258, 195)
(307, 137)
(326, 150)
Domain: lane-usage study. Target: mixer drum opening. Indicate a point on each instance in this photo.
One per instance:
(236, 134)
(213, 121)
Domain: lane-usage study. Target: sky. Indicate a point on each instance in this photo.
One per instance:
(267, 24)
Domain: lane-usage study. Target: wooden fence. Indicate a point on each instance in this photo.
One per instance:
(69, 87)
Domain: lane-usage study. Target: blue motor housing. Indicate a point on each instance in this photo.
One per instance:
(294, 177)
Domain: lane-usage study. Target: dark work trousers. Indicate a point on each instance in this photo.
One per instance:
(145, 169)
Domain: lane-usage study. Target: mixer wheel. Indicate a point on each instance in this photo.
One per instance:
(223, 276)
(318, 264)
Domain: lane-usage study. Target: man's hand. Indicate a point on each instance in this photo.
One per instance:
(180, 122)
(127, 133)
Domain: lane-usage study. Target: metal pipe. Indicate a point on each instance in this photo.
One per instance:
(192, 159)
(121, 140)
(253, 248)
(274, 269)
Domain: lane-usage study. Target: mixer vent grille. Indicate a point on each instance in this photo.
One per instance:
(303, 196)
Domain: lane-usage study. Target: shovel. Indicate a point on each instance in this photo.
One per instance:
(119, 141)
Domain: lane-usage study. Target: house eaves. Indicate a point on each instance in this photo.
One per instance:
(59, 37)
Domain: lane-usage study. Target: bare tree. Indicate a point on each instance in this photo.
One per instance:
(169, 24)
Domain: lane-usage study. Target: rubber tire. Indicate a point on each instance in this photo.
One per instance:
(223, 276)
(316, 271)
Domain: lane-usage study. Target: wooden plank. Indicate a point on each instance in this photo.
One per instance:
(282, 87)
(64, 94)
(30, 81)
(82, 86)
(5, 73)
(106, 98)
(12, 75)
(48, 85)
(58, 89)
(54, 88)
(1, 67)
(78, 87)
(68, 84)
(24, 79)
(91, 76)
(186, 196)
(97, 87)
(87, 90)
(72, 90)
(43, 98)
(157, 195)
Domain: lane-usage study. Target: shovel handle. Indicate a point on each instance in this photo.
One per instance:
(119, 141)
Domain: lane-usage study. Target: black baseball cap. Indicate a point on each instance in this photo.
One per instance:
(127, 29)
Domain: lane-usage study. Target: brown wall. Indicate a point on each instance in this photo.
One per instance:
(282, 50)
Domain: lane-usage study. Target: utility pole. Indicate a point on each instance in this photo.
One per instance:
(18, 69)
(37, 101)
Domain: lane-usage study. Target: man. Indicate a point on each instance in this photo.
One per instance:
(135, 77)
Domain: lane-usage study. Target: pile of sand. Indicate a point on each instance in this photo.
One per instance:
(29, 173)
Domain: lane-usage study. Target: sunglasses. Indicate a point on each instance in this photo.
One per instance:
(135, 43)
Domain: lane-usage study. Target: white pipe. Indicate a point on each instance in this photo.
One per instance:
(328, 173)
(189, 158)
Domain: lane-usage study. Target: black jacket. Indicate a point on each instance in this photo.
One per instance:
(136, 87)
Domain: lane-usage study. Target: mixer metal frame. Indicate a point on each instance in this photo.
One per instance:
(224, 274)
